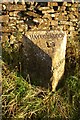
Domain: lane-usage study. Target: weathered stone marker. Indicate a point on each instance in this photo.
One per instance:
(44, 53)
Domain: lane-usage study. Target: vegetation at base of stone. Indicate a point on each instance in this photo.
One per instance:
(22, 100)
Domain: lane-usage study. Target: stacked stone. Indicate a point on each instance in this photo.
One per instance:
(39, 16)
(12, 23)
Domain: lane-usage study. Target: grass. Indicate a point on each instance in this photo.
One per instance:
(21, 100)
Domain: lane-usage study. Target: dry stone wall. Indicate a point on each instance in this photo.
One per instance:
(40, 16)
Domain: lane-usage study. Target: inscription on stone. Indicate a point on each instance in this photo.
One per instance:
(46, 36)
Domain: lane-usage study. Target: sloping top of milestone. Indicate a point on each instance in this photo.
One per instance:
(47, 40)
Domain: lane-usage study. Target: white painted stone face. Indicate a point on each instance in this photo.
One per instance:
(45, 51)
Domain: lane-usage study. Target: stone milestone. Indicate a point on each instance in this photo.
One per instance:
(45, 56)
